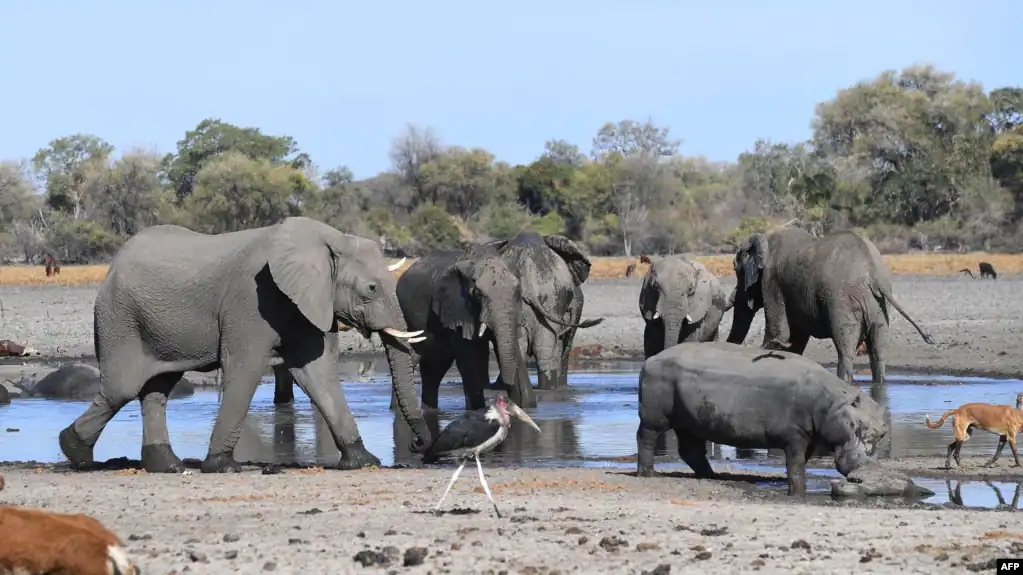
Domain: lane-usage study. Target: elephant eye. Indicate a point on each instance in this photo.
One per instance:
(372, 289)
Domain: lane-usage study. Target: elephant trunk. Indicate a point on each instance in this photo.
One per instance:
(742, 318)
(673, 320)
(511, 363)
(399, 359)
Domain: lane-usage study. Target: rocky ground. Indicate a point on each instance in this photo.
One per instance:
(977, 324)
(555, 521)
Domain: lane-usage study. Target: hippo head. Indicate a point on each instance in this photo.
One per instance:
(853, 428)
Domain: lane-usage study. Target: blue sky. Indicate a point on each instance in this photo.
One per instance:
(343, 78)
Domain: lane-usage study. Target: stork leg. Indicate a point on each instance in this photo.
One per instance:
(486, 488)
(451, 484)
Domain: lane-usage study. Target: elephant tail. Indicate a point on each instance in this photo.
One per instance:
(885, 293)
(940, 422)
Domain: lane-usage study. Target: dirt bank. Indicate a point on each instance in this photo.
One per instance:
(976, 322)
(556, 521)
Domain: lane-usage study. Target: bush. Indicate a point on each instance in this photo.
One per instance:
(433, 229)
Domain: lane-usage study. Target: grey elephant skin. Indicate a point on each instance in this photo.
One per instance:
(753, 398)
(175, 300)
(680, 301)
(5, 396)
(551, 270)
(464, 300)
(81, 381)
(833, 287)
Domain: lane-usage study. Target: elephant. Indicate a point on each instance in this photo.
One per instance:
(680, 301)
(175, 300)
(835, 286)
(82, 381)
(5, 396)
(463, 300)
(551, 270)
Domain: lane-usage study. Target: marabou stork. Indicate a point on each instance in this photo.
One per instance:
(472, 434)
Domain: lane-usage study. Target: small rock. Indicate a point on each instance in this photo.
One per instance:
(456, 546)
(390, 532)
(231, 537)
(583, 539)
(369, 558)
(361, 534)
(713, 531)
(662, 569)
(941, 557)
(232, 554)
(647, 546)
(573, 531)
(613, 543)
(270, 470)
(697, 548)
(191, 541)
(313, 511)
(414, 556)
(800, 544)
(143, 537)
(757, 563)
(197, 557)
(702, 556)
(295, 541)
(269, 566)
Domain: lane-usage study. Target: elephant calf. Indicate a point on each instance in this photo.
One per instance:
(681, 301)
(753, 398)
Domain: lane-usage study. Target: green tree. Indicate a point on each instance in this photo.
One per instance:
(433, 229)
(213, 138)
(65, 165)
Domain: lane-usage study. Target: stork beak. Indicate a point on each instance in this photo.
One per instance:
(517, 412)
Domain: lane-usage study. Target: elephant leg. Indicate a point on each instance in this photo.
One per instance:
(846, 336)
(284, 385)
(122, 380)
(241, 377)
(776, 323)
(285, 447)
(693, 451)
(877, 349)
(798, 343)
(473, 362)
(320, 380)
(433, 368)
(653, 338)
(157, 455)
(546, 349)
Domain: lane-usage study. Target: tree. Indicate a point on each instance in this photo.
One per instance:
(65, 165)
(410, 151)
(213, 138)
(433, 229)
(17, 195)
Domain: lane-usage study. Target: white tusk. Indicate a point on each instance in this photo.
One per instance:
(483, 329)
(395, 266)
(401, 334)
(416, 339)
(657, 314)
(689, 318)
(30, 351)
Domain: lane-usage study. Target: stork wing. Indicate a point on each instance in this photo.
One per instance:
(470, 430)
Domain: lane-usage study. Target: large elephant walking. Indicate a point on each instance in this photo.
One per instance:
(680, 301)
(833, 287)
(551, 270)
(175, 300)
(464, 300)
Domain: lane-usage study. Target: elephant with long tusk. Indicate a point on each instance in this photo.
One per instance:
(175, 300)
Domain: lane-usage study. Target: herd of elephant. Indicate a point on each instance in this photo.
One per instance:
(175, 300)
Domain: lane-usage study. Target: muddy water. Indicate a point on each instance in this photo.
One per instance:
(592, 424)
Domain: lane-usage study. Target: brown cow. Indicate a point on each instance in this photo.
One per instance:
(36, 541)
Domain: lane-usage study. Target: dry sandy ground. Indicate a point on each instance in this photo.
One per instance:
(978, 324)
(555, 521)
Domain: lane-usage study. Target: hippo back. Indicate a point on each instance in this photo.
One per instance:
(729, 361)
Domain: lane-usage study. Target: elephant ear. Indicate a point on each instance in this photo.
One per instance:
(577, 261)
(703, 293)
(756, 256)
(454, 304)
(303, 265)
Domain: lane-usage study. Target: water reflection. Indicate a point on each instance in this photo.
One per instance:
(989, 494)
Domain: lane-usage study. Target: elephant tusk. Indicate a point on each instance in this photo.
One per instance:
(416, 339)
(689, 318)
(483, 329)
(395, 266)
(401, 334)
(657, 314)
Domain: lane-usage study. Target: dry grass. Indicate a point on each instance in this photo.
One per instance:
(920, 263)
(22, 276)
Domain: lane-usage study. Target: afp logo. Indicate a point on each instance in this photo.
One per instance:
(1010, 565)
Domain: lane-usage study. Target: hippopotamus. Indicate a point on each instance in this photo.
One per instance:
(82, 381)
(753, 398)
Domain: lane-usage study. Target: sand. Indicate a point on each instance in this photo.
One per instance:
(557, 520)
(978, 324)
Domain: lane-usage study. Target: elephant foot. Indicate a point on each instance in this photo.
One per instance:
(779, 344)
(75, 450)
(355, 456)
(160, 458)
(647, 472)
(220, 463)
